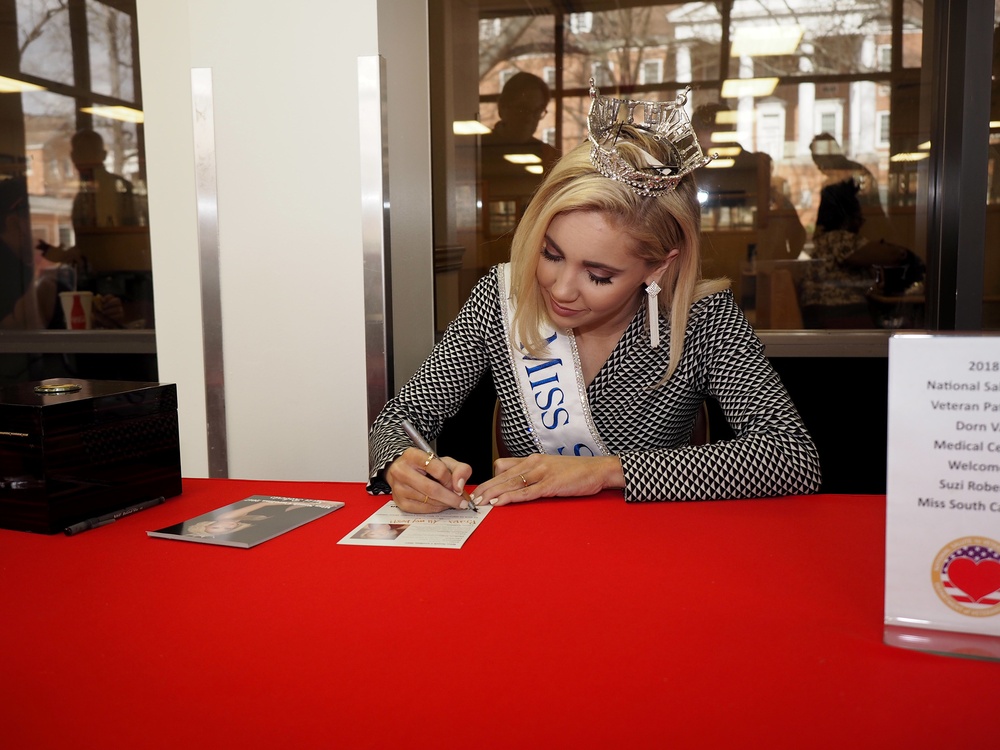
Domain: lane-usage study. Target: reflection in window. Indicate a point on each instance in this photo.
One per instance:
(581, 23)
(43, 40)
(831, 101)
(549, 76)
(603, 73)
(110, 34)
(651, 72)
(883, 129)
(72, 173)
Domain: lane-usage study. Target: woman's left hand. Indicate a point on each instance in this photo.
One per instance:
(517, 480)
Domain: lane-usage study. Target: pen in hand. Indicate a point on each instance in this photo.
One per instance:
(422, 444)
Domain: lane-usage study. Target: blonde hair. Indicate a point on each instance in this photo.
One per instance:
(657, 226)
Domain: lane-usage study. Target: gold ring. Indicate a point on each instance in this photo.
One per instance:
(430, 457)
(424, 499)
(523, 480)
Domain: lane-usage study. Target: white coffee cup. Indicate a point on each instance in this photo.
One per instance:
(77, 309)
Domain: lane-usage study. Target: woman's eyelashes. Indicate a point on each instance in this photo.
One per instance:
(548, 254)
(599, 279)
(555, 258)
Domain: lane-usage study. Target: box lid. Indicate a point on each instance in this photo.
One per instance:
(94, 401)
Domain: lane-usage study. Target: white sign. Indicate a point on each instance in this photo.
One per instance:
(942, 567)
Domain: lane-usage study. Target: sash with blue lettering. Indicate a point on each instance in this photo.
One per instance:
(552, 390)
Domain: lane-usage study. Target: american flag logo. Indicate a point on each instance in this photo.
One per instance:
(966, 576)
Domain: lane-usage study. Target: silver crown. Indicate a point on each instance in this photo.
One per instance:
(667, 122)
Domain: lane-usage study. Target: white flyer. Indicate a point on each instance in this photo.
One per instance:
(942, 568)
(391, 527)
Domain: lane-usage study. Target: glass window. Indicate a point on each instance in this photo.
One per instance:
(808, 110)
(110, 34)
(581, 23)
(73, 174)
(883, 129)
(885, 57)
(651, 72)
(506, 75)
(43, 40)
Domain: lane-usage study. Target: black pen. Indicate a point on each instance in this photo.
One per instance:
(93, 523)
(422, 444)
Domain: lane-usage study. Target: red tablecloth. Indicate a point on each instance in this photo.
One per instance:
(585, 624)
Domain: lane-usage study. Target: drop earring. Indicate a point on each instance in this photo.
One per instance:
(653, 313)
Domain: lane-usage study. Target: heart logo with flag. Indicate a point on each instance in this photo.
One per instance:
(966, 576)
(977, 579)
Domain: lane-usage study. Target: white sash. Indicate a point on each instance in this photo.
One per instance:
(552, 390)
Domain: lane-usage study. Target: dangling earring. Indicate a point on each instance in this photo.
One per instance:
(653, 313)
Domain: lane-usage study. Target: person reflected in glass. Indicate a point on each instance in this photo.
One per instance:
(747, 191)
(835, 290)
(512, 160)
(835, 166)
(104, 199)
(742, 183)
(522, 104)
(784, 237)
(103, 202)
(603, 341)
(28, 299)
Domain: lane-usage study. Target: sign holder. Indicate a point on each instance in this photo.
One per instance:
(942, 571)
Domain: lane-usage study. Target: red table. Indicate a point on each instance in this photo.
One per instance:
(584, 624)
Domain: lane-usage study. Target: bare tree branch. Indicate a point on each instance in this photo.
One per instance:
(511, 30)
(39, 28)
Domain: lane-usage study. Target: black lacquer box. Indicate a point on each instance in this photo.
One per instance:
(71, 450)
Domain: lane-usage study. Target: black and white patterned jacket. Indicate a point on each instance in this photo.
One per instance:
(647, 425)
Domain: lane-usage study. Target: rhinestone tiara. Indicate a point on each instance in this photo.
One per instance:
(667, 122)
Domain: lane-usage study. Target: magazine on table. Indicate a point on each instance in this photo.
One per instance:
(250, 521)
(391, 527)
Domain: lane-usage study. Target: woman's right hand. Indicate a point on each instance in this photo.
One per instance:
(427, 483)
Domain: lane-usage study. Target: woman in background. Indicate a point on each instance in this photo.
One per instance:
(835, 289)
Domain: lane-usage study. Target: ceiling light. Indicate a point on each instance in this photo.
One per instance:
(726, 117)
(735, 88)
(762, 41)
(724, 136)
(469, 127)
(14, 86)
(523, 158)
(720, 164)
(535, 169)
(124, 114)
(909, 156)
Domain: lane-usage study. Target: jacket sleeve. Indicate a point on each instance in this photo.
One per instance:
(772, 454)
(439, 386)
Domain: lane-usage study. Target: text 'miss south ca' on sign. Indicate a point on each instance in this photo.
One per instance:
(942, 568)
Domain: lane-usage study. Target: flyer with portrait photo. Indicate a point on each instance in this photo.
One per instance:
(248, 522)
(391, 527)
